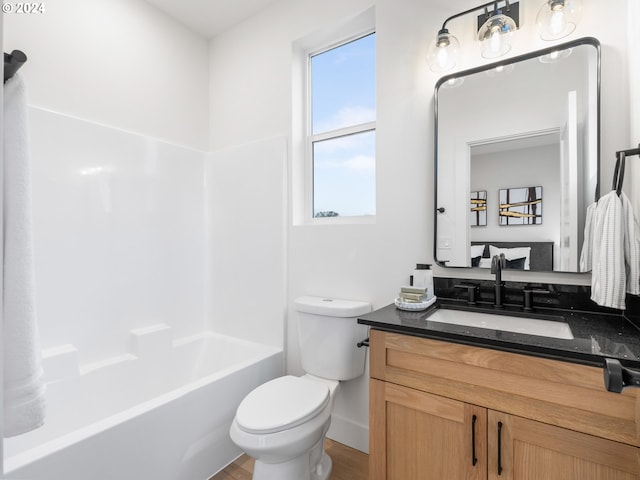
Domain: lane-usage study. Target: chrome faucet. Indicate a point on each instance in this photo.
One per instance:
(498, 262)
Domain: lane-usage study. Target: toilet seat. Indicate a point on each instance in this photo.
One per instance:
(281, 404)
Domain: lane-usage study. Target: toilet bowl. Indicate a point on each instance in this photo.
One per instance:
(282, 423)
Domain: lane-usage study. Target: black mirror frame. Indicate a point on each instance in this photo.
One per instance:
(537, 53)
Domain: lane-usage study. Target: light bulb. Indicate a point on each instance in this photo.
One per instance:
(495, 44)
(557, 23)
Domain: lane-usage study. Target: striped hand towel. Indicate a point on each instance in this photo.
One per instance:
(608, 275)
(631, 246)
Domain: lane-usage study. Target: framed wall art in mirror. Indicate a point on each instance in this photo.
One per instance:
(478, 209)
(528, 121)
(520, 206)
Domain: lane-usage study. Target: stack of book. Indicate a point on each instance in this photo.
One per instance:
(413, 294)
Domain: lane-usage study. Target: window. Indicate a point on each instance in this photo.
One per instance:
(341, 144)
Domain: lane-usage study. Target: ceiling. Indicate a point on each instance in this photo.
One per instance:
(211, 17)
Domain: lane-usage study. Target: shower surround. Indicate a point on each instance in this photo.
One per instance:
(137, 313)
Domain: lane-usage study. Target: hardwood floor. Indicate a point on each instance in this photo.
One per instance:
(348, 464)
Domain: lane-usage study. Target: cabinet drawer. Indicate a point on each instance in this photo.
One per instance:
(554, 392)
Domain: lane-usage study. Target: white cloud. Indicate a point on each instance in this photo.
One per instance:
(360, 163)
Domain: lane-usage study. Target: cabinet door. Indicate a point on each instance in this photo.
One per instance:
(522, 449)
(419, 436)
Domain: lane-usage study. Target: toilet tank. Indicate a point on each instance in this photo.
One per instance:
(328, 332)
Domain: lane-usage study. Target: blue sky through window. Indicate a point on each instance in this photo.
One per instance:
(343, 85)
(343, 95)
(345, 175)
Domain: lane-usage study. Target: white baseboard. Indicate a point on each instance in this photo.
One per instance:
(349, 433)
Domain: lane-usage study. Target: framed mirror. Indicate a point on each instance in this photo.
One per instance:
(517, 159)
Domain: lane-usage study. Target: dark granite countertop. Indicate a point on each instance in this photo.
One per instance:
(597, 335)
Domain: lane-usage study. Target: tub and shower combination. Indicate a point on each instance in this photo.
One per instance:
(159, 414)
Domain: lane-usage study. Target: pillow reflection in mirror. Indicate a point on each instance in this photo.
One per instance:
(477, 251)
(485, 263)
(517, 264)
(512, 254)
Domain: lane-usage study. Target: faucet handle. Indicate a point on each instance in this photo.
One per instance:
(528, 293)
(498, 262)
(472, 289)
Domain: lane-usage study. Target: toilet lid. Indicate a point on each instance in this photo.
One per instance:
(282, 403)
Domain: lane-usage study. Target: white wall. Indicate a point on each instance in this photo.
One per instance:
(251, 98)
(117, 62)
(245, 206)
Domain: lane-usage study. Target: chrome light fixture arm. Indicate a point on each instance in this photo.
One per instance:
(474, 9)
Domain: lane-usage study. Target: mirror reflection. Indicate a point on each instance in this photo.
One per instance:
(517, 159)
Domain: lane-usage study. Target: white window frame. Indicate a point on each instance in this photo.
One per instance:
(355, 28)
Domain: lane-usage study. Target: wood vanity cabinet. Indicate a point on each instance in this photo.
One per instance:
(446, 411)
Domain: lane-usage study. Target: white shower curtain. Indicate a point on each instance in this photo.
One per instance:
(23, 385)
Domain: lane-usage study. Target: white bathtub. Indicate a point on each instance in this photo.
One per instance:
(162, 415)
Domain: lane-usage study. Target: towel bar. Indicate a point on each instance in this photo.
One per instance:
(617, 377)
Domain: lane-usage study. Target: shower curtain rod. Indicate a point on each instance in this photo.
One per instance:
(12, 63)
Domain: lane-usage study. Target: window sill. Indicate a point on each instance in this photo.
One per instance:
(345, 220)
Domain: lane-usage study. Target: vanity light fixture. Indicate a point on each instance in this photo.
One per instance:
(558, 18)
(494, 26)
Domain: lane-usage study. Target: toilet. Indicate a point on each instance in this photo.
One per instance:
(282, 423)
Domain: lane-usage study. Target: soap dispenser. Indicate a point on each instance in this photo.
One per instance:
(423, 278)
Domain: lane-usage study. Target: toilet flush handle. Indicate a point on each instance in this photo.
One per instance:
(363, 343)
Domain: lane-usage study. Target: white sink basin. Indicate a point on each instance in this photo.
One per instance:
(507, 323)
